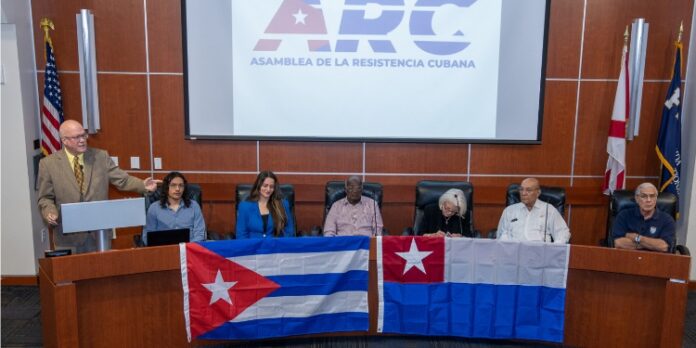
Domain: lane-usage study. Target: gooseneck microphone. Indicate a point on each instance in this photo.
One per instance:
(374, 217)
(459, 214)
(546, 219)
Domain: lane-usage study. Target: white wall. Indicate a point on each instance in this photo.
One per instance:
(687, 225)
(20, 227)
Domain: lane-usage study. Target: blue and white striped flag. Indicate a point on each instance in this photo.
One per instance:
(261, 288)
(472, 287)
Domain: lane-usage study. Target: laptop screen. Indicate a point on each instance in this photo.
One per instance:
(167, 237)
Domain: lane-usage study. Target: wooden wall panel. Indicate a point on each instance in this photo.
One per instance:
(596, 103)
(597, 100)
(588, 224)
(641, 157)
(119, 32)
(565, 33)
(320, 157)
(606, 22)
(178, 153)
(137, 118)
(416, 158)
(123, 117)
(553, 156)
(163, 34)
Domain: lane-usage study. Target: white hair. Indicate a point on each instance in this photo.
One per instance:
(456, 197)
(644, 185)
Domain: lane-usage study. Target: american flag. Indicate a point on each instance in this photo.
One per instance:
(52, 108)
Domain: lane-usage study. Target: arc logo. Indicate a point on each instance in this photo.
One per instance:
(305, 17)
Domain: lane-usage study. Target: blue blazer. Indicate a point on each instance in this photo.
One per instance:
(250, 224)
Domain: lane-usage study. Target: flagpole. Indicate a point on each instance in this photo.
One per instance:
(51, 112)
(681, 31)
(626, 36)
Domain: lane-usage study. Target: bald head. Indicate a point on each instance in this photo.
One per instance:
(73, 137)
(531, 182)
(529, 192)
(70, 125)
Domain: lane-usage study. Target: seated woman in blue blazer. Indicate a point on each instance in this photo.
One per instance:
(264, 214)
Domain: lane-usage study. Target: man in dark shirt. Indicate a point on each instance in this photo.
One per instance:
(644, 227)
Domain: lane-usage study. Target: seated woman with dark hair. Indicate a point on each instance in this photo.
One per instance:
(444, 219)
(265, 213)
(175, 209)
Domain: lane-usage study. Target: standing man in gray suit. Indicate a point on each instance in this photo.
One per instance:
(79, 174)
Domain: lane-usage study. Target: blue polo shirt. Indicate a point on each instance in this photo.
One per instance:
(660, 225)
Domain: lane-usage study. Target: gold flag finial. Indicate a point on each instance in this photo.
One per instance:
(626, 36)
(46, 25)
(681, 31)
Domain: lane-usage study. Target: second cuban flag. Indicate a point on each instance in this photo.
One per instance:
(472, 288)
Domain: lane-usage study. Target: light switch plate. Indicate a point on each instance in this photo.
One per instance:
(158, 163)
(115, 159)
(135, 162)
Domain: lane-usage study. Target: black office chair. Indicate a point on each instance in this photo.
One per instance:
(336, 190)
(429, 192)
(556, 196)
(194, 192)
(242, 192)
(625, 199)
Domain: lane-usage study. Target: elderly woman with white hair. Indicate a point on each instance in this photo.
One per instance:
(447, 217)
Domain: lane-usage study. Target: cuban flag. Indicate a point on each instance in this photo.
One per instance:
(261, 288)
(466, 287)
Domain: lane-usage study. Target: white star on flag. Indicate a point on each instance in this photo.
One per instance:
(414, 257)
(300, 17)
(220, 289)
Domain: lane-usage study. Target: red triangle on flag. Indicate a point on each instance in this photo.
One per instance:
(413, 259)
(246, 287)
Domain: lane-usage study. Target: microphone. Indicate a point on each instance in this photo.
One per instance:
(461, 218)
(546, 219)
(374, 217)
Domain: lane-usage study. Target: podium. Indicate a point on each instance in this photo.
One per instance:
(102, 217)
(133, 298)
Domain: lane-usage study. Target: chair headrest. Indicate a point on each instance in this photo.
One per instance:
(429, 191)
(242, 192)
(555, 196)
(336, 190)
(625, 199)
(194, 192)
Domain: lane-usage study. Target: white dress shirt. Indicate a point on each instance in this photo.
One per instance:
(520, 223)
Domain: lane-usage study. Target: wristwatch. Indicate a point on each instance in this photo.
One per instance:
(637, 239)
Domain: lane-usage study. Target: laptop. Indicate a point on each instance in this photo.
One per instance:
(167, 237)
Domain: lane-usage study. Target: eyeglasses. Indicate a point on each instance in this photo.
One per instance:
(645, 196)
(82, 136)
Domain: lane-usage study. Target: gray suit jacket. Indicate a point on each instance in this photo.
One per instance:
(57, 183)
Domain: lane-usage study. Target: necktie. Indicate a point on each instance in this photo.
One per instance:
(79, 175)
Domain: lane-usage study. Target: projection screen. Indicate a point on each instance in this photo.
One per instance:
(357, 70)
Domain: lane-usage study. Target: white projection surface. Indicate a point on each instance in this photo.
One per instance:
(389, 70)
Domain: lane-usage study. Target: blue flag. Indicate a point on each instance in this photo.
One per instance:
(669, 139)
